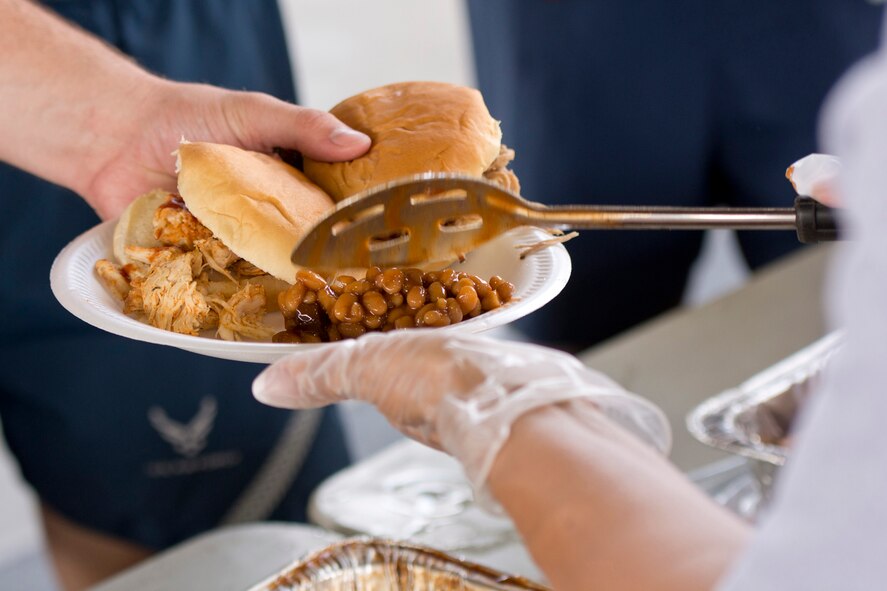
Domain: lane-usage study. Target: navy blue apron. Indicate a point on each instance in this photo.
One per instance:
(683, 102)
(146, 442)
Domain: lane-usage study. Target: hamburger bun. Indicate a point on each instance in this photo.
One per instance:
(258, 206)
(415, 127)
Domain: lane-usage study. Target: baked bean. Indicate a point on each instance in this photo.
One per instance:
(372, 322)
(289, 301)
(490, 301)
(344, 310)
(384, 300)
(420, 315)
(350, 330)
(454, 310)
(359, 287)
(416, 297)
(483, 289)
(448, 277)
(375, 303)
(395, 300)
(435, 318)
(405, 322)
(312, 280)
(327, 300)
(436, 291)
(399, 313)
(310, 337)
(391, 281)
(505, 291)
(285, 336)
(467, 298)
(337, 286)
(413, 276)
(372, 272)
(462, 282)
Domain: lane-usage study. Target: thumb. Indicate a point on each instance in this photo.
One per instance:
(263, 122)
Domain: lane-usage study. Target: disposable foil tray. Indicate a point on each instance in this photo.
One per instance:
(755, 419)
(368, 564)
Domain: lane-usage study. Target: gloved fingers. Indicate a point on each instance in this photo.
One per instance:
(816, 176)
(306, 380)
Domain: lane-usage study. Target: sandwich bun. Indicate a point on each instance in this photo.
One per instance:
(258, 206)
(415, 127)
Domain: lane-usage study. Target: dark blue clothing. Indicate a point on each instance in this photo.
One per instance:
(683, 102)
(141, 441)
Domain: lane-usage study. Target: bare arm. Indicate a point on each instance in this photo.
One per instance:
(80, 114)
(598, 509)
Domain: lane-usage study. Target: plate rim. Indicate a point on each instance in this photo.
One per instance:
(62, 272)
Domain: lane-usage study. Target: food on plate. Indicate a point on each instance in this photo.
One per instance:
(417, 127)
(216, 254)
(316, 310)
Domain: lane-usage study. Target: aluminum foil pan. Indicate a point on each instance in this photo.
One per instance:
(755, 419)
(367, 564)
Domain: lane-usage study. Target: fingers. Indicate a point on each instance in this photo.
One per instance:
(306, 380)
(263, 123)
(816, 176)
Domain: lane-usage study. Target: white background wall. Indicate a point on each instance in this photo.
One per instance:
(341, 47)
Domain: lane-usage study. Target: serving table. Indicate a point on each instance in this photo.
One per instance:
(677, 360)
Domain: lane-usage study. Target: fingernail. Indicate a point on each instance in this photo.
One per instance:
(347, 137)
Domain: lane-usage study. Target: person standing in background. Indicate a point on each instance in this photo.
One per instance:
(658, 103)
(133, 447)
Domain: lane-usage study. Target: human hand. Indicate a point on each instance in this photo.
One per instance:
(816, 176)
(136, 155)
(458, 393)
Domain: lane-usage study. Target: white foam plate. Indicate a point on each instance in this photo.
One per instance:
(537, 278)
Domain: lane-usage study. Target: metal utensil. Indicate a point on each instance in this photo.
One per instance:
(440, 217)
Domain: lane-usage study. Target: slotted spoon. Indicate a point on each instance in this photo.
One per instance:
(440, 217)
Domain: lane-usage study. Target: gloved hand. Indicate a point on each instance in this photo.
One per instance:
(816, 175)
(458, 393)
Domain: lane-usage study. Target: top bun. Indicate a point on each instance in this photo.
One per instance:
(416, 127)
(258, 206)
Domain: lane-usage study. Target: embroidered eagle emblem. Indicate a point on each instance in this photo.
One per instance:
(189, 438)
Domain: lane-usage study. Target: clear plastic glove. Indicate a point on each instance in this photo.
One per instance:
(816, 175)
(458, 393)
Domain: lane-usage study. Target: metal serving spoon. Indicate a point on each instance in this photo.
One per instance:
(440, 217)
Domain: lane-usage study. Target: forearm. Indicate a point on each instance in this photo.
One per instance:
(598, 509)
(64, 96)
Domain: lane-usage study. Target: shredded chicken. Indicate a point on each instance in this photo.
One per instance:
(241, 316)
(499, 173)
(170, 297)
(244, 268)
(113, 278)
(193, 282)
(216, 255)
(175, 225)
(148, 255)
(558, 238)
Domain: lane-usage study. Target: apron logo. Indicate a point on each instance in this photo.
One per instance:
(187, 439)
